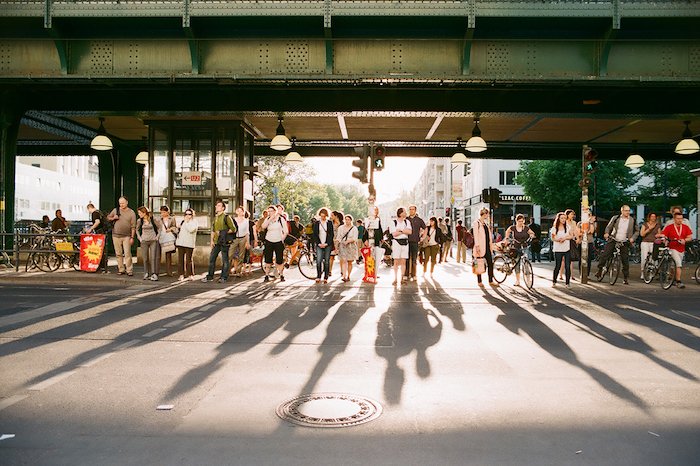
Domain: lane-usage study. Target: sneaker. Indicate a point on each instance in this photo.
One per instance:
(207, 279)
(130, 274)
(680, 284)
(568, 285)
(266, 279)
(146, 276)
(154, 278)
(181, 278)
(221, 280)
(281, 278)
(625, 282)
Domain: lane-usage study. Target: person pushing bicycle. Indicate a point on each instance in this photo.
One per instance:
(622, 228)
(520, 234)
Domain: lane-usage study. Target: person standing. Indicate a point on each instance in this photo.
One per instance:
(483, 244)
(242, 242)
(361, 238)
(650, 231)
(253, 239)
(185, 243)
(276, 231)
(322, 237)
(461, 242)
(168, 227)
(223, 231)
(561, 236)
(446, 246)
(123, 233)
(147, 232)
(417, 229)
(622, 228)
(337, 218)
(433, 238)
(59, 223)
(99, 227)
(536, 245)
(520, 234)
(347, 246)
(575, 241)
(678, 234)
(400, 246)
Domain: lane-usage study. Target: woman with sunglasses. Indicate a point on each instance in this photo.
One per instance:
(185, 243)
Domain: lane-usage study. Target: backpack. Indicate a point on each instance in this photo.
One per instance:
(468, 239)
(105, 225)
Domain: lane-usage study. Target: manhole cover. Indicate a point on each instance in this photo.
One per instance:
(329, 410)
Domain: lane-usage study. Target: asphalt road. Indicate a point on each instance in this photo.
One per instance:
(592, 375)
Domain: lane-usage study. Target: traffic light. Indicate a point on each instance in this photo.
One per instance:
(495, 198)
(590, 164)
(361, 163)
(467, 168)
(378, 154)
(485, 196)
(447, 212)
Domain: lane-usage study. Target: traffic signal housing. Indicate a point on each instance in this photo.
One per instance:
(378, 154)
(495, 198)
(590, 162)
(361, 163)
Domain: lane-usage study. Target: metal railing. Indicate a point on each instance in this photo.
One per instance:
(40, 245)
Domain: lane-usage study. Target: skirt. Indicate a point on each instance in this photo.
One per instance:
(348, 252)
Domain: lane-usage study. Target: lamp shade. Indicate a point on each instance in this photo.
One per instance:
(101, 141)
(476, 144)
(280, 141)
(634, 161)
(459, 157)
(293, 157)
(687, 147)
(142, 157)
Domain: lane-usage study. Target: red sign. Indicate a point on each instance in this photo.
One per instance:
(91, 249)
(370, 266)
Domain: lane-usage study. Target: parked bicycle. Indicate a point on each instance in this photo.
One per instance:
(505, 263)
(664, 266)
(692, 252)
(613, 265)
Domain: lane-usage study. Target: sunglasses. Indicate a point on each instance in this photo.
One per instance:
(188, 213)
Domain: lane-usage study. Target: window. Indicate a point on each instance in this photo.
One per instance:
(507, 177)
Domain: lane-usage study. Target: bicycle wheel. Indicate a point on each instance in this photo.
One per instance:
(49, 261)
(697, 274)
(307, 265)
(528, 274)
(649, 272)
(667, 272)
(501, 269)
(615, 267)
(75, 261)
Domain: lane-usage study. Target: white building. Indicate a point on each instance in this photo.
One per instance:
(439, 188)
(45, 184)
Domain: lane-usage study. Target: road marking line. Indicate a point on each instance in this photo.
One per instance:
(53, 380)
(155, 332)
(174, 323)
(94, 361)
(207, 307)
(127, 344)
(9, 401)
(191, 316)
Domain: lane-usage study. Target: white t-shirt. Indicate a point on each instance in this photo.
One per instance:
(276, 230)
(560, 234)
(323, 231)
(400, 225)
(243, 228)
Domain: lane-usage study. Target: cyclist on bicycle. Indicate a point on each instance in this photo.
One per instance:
(678, 233)
(519, 234)
(622, 228)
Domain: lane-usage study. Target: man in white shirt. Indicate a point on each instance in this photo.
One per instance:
(622, 228)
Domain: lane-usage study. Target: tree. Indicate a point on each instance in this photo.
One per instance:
(554, 184)
(668, 183)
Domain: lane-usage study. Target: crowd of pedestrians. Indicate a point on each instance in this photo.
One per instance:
(405, 244)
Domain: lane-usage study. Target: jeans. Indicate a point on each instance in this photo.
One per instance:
(148, 255)
(223, 249)
(185, 266)
(567, 265)
(411, 264)
(323, 261)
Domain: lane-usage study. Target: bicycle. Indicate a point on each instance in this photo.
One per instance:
(307, 260)
(696, 276)
(505, 263)
(664, 266)
(613, 265)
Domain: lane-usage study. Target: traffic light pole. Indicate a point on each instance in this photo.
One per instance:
(585, 211)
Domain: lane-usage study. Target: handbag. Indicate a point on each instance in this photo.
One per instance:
(573, 247)
(167, 242)
(479, 266)
(402, 241)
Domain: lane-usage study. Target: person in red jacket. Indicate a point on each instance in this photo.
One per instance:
(678, 234)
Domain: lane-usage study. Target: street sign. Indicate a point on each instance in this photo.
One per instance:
(192, 179)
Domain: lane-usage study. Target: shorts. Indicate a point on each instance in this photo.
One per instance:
(398, 251)
(276, 248)
(677, 257)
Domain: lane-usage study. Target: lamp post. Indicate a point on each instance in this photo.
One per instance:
(458, 160)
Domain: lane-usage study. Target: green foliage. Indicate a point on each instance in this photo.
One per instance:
(300, 196)
(554, 184)
(667, 184)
